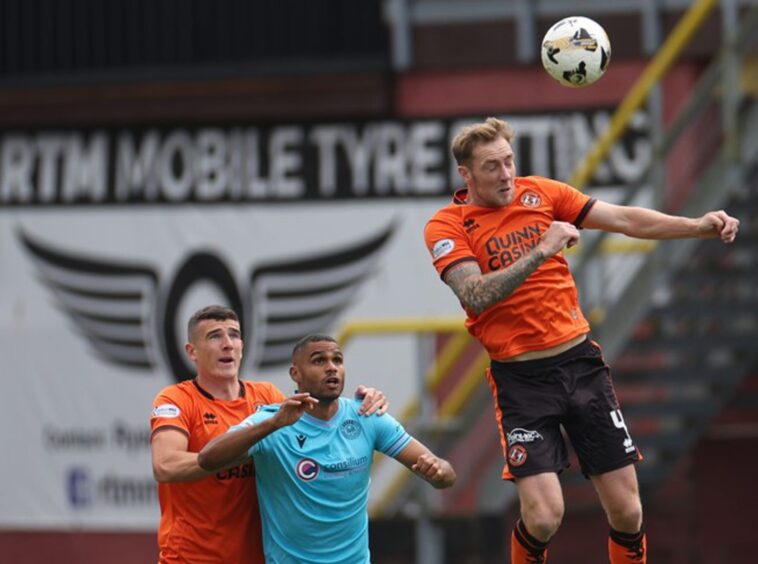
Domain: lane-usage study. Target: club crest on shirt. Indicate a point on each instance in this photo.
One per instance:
(350, 429)
(306, 469)
(531, 200)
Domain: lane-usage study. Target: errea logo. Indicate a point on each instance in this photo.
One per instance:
(470, 225)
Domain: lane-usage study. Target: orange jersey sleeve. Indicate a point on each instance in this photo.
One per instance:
(171, 409)
(216, 518)
(544, 310)
(446, 237)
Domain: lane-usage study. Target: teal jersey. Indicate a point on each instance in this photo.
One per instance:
(313, 482)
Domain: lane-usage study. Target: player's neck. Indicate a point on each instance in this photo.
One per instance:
(220, 388)
(326, 409)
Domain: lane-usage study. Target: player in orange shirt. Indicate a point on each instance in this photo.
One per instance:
(498, 246)
(212, 517)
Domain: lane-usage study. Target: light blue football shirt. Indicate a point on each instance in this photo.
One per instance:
(313, 482)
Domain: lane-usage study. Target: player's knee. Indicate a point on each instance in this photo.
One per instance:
(628, 517)
(543, 521)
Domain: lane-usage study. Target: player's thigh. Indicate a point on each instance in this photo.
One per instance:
(619, 494)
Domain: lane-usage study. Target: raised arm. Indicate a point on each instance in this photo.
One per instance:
(645, 223)
(423, 462)
(233, 446)
(479, 291)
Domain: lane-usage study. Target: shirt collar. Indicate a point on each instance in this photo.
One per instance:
(460, 197)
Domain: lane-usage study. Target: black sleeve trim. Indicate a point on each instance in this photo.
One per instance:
(166, 428)
(455, 263)
(585, 210)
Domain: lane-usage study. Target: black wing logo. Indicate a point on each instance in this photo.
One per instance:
(293, 298)
(111, 303)
(129, 315)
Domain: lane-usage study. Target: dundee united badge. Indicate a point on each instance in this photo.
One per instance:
(530, 200)
(516, 455)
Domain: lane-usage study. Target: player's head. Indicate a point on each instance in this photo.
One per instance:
(215, 341)
(213, 312)
(486, 162)
(318, 367)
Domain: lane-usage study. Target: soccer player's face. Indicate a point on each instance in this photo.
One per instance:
(490, 174)
(216, 348)
(319, 369)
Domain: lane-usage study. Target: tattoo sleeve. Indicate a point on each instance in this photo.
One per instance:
(479, 291)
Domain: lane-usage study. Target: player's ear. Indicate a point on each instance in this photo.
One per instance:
(190, 350)
(294, 374)
(464, 172)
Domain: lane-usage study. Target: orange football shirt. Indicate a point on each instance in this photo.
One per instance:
(214, 519)
(544, 311)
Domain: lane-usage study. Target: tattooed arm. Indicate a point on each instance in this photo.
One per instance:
(479, 291)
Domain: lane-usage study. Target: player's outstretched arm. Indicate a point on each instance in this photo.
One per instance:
(479, 291)
(645, 223)
(374, 401)
(423, 462)
(234, 445)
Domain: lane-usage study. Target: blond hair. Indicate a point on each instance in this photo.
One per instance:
(469, 137)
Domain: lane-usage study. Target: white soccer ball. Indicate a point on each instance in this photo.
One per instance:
(576, 51)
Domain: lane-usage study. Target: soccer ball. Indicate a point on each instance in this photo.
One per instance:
(576, 51)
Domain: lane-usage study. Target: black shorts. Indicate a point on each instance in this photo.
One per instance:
(574, 389)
